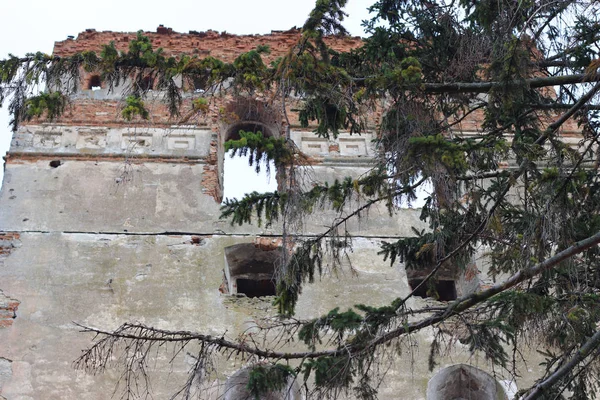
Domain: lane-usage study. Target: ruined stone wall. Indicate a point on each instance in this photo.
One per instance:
(223, 46)
(106, 222)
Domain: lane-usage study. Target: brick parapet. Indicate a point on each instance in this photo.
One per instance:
(223, 46)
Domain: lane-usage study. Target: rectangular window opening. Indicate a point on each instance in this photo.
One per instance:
(442, 290)
(256, 287)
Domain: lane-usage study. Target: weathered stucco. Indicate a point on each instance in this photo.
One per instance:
(105, 223)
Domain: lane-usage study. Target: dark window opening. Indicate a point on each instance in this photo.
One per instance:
(95, 83)
(55, 163)
(256, 288)
(234, 134)
(199, 84)
(249, 269)
(147, 83)
(442, 290)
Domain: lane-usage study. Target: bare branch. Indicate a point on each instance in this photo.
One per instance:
(585, 351)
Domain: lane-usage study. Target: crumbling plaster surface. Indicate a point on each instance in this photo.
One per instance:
(235, 389)
(166, 281)
(102, 253)
(102, 196)
(125, 228)
(81, 140)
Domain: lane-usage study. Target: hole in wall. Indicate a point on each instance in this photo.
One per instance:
(55, 163)
(146, 84)
(256, 287)
(234, 134)
(95, 83)
(198, 84)
(442, 290)
(249, 270)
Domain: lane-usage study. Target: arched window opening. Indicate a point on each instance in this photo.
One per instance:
(236, 388)
(459, 382)
(95, 83)
(239, 178)
(249, 270)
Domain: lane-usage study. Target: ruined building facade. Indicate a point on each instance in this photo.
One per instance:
(105, 222)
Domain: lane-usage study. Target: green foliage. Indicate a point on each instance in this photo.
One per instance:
(264, 379)
(305, 263)
(134, 106)
(261, 149)
(267, 206)
(330, 117)
(250, 71)
(200, 104)
(326, 17)
(48, 105)
(512, 189)
(329, 372)
(334, 322)
(438, 150)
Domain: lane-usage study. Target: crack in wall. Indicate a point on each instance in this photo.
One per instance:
(184, 233)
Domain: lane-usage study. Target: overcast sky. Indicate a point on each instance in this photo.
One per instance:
(34, 25)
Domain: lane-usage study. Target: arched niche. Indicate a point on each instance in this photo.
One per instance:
(236, 389)
(464, 382)
(233, 131)
(250, 115)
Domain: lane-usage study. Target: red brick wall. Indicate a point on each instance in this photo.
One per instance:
(223, 46)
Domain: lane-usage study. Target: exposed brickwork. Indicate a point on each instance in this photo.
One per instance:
(223, 46)
(211, 181)
(8, 310)
(268, 243)
(223, 110)
(220, 45)
(107, 113)
(8, 242)
(471, 272)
